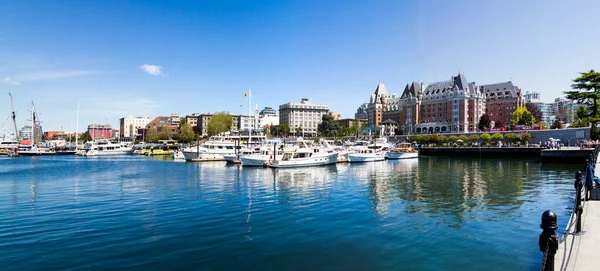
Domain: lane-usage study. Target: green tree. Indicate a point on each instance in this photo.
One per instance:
(442, 139)
(522, 116)
(497, 137)
(426, 139)
(164, 133)
(186, 133)
(85, 137)
(594, 134)
(512, 137)
(416, 138)
(283, 129)
(485, 138)
(587, 88)
(534, 110)
(151, 135)
(453, 138)
(525, 137)
(484, 122)
(474, 138)
(219, 123)
(344, 131)
(355, 127)
(328, 126)
(464, 139)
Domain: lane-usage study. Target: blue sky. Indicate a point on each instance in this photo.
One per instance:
(57, 53)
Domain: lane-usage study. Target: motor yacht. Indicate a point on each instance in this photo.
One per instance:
(402, 151)
(212, 150)
(305, 156)
(106, 148)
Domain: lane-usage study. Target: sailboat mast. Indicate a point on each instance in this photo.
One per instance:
(14, 117)
(33, 126)
(77, 127)
(249, 116)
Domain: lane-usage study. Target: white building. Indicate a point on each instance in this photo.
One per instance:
(532, 97)
(305, 115)
(129, 126)
(268, 117)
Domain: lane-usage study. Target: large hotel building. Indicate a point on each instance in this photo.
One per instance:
(304, 115)
(454, 105)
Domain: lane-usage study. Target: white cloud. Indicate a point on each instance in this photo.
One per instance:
(152, 69)
(9, 80)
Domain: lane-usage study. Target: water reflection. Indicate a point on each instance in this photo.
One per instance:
(434, 186)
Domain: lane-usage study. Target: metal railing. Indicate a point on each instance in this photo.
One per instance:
(548, 240)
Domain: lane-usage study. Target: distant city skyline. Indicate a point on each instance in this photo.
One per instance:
(150, 58)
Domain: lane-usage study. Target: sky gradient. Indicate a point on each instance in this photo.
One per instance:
(150, 58)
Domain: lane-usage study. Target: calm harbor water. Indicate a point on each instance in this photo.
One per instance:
(431, 213)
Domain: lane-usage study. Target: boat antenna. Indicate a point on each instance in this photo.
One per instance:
(14, 117)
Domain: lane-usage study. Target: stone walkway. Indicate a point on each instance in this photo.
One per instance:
(582, 251)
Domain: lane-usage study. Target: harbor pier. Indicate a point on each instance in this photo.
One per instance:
(578, 247)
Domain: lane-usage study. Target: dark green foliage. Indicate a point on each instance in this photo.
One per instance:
(594, 134)
(328, 126)
(484, 122)
(588, 86)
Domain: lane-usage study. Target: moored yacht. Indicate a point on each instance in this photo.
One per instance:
(36, 151)
(212, 150)
(305, 156)
(266, 153)
(371, 153)
(367, 154)
(8, 146)
(106, 148)
(402, 151)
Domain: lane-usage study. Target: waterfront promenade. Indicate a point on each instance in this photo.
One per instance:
(580, 251)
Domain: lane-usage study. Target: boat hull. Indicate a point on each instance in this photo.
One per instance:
(34, 153)
(257, 160)
(363, 158)
(306, 162)
(108, 153)
(402, 155)
(199, 156)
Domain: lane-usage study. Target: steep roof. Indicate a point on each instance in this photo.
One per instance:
(502, 89)
(381, 90)
(411, 90)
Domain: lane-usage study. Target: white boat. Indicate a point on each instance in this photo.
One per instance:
(367, 154)
(235, 158)
(402, 151)
(212, 150)
(265, 154)
(106, 148)
(305, 156)
(35, 151)
(178, 156)
(371, 153)
(8, 146)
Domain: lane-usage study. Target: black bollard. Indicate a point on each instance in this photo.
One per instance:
(578, 206)
(548, 239)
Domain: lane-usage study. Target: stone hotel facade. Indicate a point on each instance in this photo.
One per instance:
(454, 105)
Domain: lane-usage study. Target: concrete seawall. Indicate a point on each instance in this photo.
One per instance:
(480, 151)
(564, 155)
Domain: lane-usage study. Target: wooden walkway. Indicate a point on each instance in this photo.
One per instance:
(581, 251)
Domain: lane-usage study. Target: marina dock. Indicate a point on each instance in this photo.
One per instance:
(579, 251)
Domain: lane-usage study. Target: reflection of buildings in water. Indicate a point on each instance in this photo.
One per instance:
(385, 178)
(305, 179)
